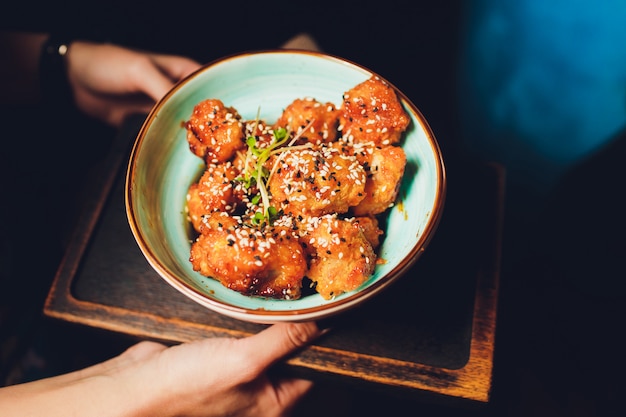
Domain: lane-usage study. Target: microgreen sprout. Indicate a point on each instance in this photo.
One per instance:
(255, 173)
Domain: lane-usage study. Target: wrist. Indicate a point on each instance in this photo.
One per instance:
(54, 83)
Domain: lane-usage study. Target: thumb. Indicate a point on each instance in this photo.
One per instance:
(176, 67)
(158, 79)
(279, 340)
(154, 83)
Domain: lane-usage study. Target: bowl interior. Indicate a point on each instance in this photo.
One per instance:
(162, 167)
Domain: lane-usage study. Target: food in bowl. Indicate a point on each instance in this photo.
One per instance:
(161, 169)
(297, 200)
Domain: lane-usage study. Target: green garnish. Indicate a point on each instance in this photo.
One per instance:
(256, 174)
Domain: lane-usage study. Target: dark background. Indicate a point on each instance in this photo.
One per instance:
(558, 348)
(412, 44)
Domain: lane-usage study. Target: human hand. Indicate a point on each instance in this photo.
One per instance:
(110, 82)
(228, 376)
(209, 377)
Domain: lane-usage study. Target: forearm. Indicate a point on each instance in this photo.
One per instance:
(97, 396)
(19, 76)
(111, 389)
(208, 377)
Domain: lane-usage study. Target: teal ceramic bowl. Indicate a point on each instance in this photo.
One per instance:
(161, 168)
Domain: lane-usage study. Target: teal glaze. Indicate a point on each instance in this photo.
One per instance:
(162, 167)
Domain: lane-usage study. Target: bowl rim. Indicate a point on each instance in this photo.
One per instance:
(307, 313)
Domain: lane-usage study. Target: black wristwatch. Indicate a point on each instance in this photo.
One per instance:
(55, 87)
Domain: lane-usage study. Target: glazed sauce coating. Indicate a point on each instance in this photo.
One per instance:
(299, 198)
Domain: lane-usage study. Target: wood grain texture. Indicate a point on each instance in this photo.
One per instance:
(431, 332)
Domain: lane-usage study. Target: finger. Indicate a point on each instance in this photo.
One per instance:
(156, 80)
(118, 116)
(278, 341)
(302, 41)
(151, 81)
(290, 391)
(156, 74)
(175, 67)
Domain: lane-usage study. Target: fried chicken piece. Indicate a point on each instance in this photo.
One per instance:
(385, 168)
(262, 132)
(316, 181)
(267, 262)
(214, 132)
(343, 163)
(215, 191)
(322, 120)
(245, 159)
(341, 257)
(372, 112)
(369, 225)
